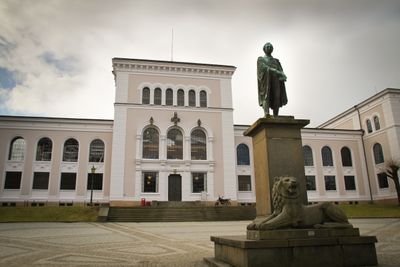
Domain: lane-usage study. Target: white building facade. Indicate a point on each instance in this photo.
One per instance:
(173, 139)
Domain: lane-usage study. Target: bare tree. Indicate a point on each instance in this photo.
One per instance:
(392, 171)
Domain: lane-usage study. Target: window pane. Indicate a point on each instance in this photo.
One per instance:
(169, 97)
(330, 183)
(203, 99)
(150, 182)
(327, 159)
(71, 149)
(382, 180)
(157, 96)
(13, 180)
(68, 181)
(349, 182)
(308, 156)
(17, 149)
(198, 145)
(369, 126)
(310, 183)
(243, 157)
(96, 153)
(244, 182)
(174, 144)
(199, 182)
(150, 143)
(192, 98)
(40, 180)
(378, 153)
(44, 148)
(146, 96)
(97, 181)
(181, 97)
(346, 157)
(377, 124)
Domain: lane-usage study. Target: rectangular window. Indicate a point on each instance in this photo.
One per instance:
(349, 182)
(68, 181)
(97, 179)
(310, 183)
(330, 183)
(13, 180)
(244, 182)
(382, 180)
(199, 182)
(40, 180)
(150, 182)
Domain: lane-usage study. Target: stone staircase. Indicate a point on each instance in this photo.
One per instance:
(180, 213)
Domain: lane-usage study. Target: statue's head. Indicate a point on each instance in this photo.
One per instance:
(268, 48)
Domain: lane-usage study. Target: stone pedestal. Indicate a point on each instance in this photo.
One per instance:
(295, 248)
(277, 151)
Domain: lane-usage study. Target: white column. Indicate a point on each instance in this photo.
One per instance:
(230, 181)
(138, 147)
(210, 149)
(186, 148)
(152, 96)
(163, 147)
(210, 185)
(118, 152)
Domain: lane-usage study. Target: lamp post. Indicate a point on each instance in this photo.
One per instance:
(93, 170)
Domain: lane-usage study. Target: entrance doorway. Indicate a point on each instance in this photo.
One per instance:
(174, 187)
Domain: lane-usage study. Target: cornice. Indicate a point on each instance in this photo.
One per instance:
(49, 123)
(171, 67)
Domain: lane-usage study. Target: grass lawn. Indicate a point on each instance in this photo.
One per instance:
(48, 214)
(372, 210)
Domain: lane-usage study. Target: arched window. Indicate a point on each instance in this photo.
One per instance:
(44, 148)
(174, 144)
(308, 156)
(376, 123)
(369, 126)
(96, 151)
(203, 99)
(243, 156)
(181, 97)
(378, 153)
(192, 98)
(157, 96)
(71, 149)
(17, 149)
(146, 96)
(150, 143)
(327, 159)
(169, 97)
(346, 157)
(198, 145)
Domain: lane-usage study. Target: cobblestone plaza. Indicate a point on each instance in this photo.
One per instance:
(146, 244)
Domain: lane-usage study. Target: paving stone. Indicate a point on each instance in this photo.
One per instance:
(146, 244)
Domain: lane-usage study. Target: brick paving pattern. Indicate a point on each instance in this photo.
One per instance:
(146, 244)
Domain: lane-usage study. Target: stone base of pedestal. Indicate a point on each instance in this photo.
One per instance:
(297, 248)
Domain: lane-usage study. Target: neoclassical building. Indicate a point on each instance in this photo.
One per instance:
(173, 139)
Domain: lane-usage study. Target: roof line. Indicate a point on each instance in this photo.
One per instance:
(362, 103)
(51, 118)
(173, 62)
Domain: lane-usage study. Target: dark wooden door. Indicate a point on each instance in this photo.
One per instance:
(174, 187)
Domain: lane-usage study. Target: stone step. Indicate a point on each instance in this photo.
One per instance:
(176, 214)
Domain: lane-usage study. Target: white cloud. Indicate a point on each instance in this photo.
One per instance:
(334, 52)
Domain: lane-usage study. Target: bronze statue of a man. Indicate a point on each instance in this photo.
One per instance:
(271, 82)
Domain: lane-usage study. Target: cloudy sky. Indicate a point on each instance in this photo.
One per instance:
(55, 55)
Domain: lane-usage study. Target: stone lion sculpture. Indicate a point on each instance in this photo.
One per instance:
(289, 212)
